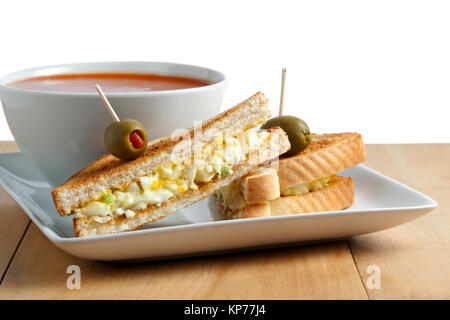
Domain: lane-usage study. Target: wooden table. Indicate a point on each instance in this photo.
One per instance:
(413, 259)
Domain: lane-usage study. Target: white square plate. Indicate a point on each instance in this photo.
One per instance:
(380, 203)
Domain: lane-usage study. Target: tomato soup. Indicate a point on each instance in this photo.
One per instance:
(110, 82)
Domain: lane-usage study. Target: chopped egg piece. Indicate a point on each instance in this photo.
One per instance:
(133, 188)
(129, 214)
(101, 219)
(97, 208)
(119, 211)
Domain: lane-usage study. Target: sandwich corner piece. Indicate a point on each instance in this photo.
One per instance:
(306, 182)
(112, 195)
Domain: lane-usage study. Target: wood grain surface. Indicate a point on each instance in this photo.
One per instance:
(310, 272)
(14, 220)
(413, 259)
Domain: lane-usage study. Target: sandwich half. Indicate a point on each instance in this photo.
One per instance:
(112, 195)
(306, 182)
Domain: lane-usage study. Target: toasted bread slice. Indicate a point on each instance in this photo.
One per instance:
(339, 195)
(108, 171)
(254, 210)
(86, 227)
(327, 154)
(260, 185)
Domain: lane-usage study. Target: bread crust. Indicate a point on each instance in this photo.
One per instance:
(108, 171)
(327, 154)
(254, 210)
(260, 185)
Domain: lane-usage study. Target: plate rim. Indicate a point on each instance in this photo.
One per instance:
(58, 239)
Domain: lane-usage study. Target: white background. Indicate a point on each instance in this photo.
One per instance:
(381, 68)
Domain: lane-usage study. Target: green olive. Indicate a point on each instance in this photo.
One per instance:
(126, 139)
(296, 129)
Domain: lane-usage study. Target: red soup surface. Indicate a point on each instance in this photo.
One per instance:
(110, 82)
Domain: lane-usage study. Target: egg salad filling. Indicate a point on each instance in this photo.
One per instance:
(231, 198)
(216, 159)
(304, 188)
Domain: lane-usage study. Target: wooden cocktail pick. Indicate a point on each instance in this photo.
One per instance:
(283, 79)
(107, 104)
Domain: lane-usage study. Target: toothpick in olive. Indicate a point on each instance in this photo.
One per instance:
(126, 139)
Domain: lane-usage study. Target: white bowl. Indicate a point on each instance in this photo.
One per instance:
(61, 132)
